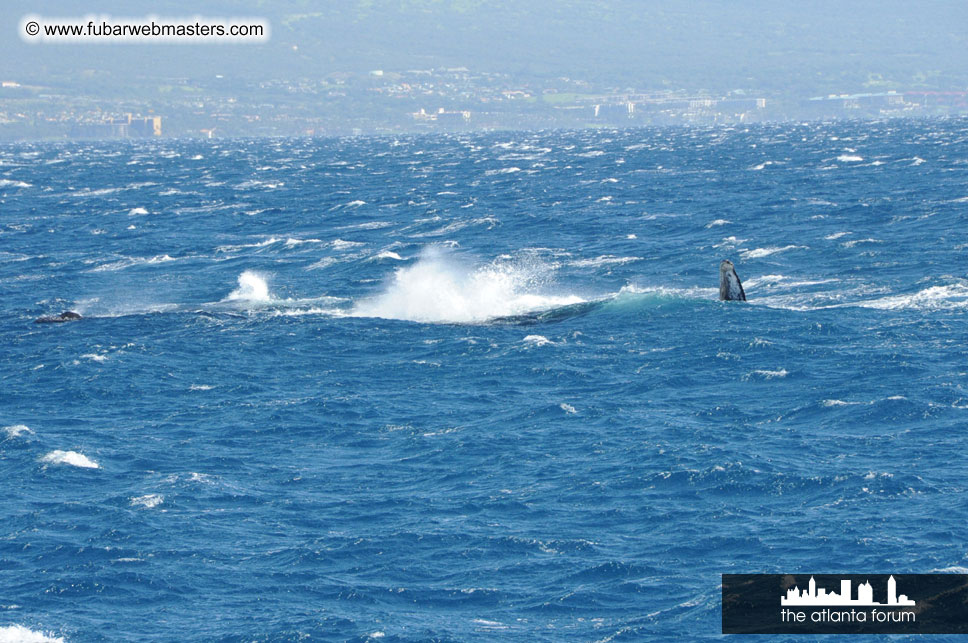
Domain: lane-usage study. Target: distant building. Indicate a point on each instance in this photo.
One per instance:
(443, 117)
(615, 112)
(129, 127)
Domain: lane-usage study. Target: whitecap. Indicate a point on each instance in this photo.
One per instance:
(836, 235)
(771, 374)
(765, 252)
(387, 254)
(16, 430)
(717, 222)
(10, 183)
(148, 501)
(567, 408)
(72, 458)
(953, 296)
(850, 158)
(537, 340)
(291, 241)
(21, 634)
(604, 260)
(135, 211)
(127, 262)
(854, 242)
(340, 244)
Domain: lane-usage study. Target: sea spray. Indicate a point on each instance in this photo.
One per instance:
(252, 287)
(441, 288)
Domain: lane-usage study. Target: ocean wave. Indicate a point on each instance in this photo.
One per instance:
(537, 340)
(128, 262)
(72, 458)
(604, 260)
(16, 430)
(11, 183)
(766, 252)
(148, 501)
(952, 296)
(21, 634)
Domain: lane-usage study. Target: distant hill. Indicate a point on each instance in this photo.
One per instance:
(816, 47)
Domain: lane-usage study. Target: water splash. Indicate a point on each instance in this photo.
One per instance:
(252, 287)
(439, 288)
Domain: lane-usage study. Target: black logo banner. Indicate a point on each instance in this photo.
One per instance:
(845, 604)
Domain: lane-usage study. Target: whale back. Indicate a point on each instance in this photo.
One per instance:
(730, 287)
(66, 316)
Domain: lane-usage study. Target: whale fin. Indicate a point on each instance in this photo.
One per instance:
(730, 287)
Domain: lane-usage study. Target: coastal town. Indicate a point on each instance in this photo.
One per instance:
(417, 100)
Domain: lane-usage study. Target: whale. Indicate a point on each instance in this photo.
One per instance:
(730, 288)
(66, 316)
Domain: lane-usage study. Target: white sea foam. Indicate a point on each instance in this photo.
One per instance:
(72, 458)
(127, 262)
(16, 430)
(567, 408)
(854, 242)
(291, 241)
(148, 501)
(387, 254)
(21, 634)
(729, 242)
(252, 287)
(952, 296)
(439, 288)
(340, 244)
(135, 211)
(10, 183)
(717, 222)
(839, 403)
(836, 235)
(95, 357)
(850, 158)
(260, 244)
(765, 252)
(537, 340)
(771, 374)
(604, 260)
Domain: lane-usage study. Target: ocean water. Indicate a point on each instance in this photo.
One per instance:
(475, 387)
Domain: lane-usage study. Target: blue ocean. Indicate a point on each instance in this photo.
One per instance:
(475, 386)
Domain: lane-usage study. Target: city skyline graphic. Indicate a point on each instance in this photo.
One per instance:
(814, 596)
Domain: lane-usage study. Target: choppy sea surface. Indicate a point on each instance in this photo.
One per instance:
(475, 387)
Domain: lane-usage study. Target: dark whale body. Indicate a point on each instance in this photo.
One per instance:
(730, 288)
(66, 316)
